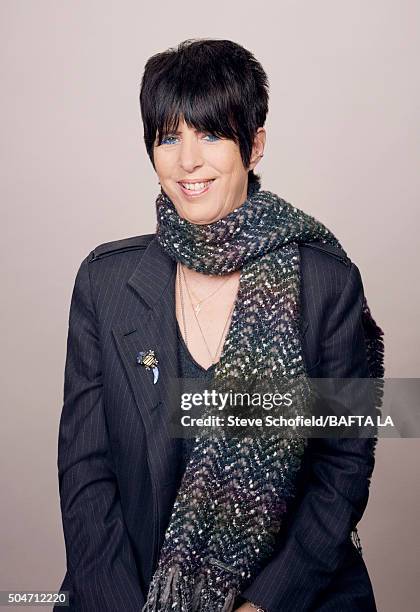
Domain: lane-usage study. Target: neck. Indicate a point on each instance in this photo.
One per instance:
(202, 283)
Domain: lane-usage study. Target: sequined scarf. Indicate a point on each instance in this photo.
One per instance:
(234, 495)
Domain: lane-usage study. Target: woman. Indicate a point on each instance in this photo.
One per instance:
(236, 283)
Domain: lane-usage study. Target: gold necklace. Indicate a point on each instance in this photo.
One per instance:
(213, 358)
(197, 307)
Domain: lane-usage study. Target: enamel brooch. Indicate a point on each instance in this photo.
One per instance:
(149, 360)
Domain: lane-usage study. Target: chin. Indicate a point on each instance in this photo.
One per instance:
(198, 213)
(197, 217)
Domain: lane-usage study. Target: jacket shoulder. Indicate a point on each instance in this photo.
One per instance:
(330, 250)
(133, 243)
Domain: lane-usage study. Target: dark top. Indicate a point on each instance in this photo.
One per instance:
(189, 368)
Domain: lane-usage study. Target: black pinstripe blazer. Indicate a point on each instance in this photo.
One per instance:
(117, 463)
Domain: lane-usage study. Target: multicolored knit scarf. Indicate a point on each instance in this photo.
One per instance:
(234, 493)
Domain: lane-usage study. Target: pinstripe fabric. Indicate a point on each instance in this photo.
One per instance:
(118, 465)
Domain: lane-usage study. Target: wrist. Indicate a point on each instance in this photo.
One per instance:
(256, 607)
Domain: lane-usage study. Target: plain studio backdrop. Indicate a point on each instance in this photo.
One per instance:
(342, 144)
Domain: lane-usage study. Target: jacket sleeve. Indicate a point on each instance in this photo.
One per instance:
(101, 570)
(336, 493)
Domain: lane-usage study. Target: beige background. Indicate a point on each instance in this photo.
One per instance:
(342, 144)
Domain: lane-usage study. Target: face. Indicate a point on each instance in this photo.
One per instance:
(203, 174)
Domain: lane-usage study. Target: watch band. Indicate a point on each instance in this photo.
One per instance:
(257, 607)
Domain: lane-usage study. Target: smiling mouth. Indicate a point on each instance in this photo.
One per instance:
(195, 189)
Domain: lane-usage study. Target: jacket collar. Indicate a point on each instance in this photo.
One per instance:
(153, 274)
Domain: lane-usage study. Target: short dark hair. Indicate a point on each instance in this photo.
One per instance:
(216, 85)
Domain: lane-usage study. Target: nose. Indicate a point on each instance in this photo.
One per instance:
(190, 153)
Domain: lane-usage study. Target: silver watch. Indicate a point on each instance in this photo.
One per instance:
(257, 608)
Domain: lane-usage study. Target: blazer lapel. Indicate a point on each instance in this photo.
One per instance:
(154, 281)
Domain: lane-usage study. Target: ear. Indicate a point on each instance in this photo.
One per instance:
(257, 148)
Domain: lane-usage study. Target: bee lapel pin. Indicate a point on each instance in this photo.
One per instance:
(149, 360)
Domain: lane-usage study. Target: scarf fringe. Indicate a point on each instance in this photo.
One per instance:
(197, 593)
(173, 592)
(229, 601)
(167, 590)
(356, 541)
(374, 341)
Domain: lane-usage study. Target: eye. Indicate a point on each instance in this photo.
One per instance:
(171, 138)
(213, 137)
(166, 139)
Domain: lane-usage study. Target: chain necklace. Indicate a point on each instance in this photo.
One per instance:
(197, 307)
(181, 293)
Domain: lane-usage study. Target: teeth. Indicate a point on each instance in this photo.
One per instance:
(195, 186)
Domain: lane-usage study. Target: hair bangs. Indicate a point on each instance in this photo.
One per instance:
(200, 106)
